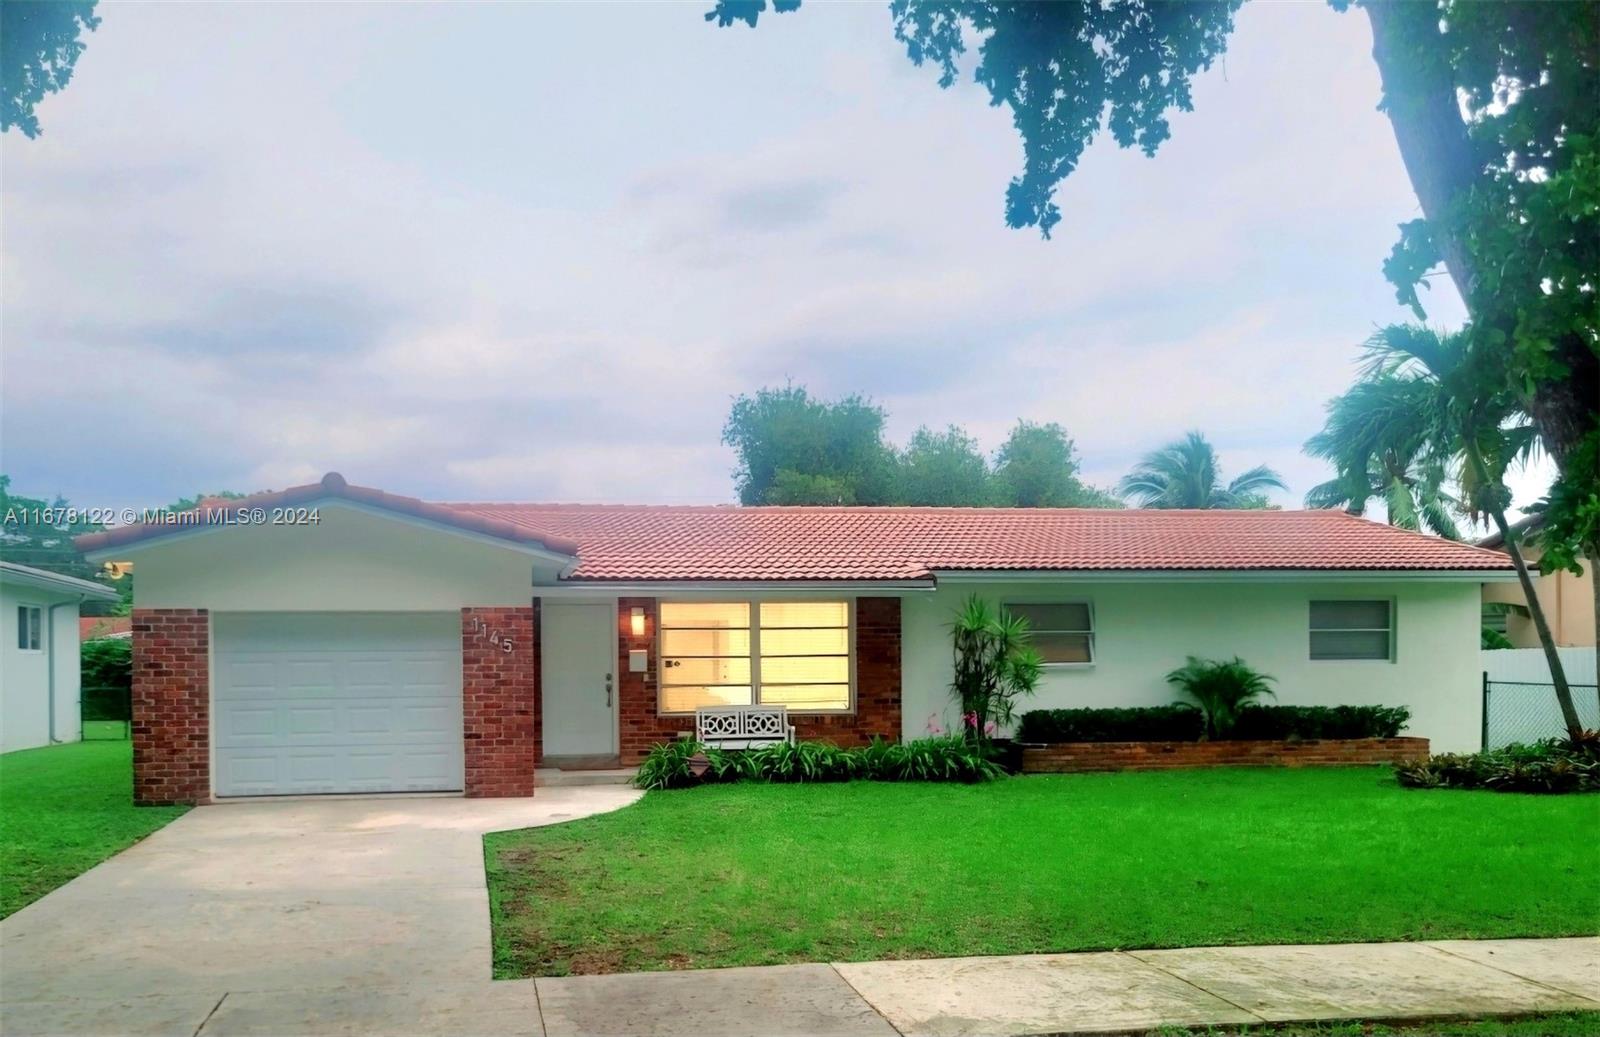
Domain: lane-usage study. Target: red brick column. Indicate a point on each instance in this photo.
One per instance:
(500, 700)
(638, 726)
(171, 706)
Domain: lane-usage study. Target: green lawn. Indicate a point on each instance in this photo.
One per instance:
(66, 808)
(761, 874)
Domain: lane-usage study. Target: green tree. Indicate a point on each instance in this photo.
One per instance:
(1037, 467)
(39, 47)
(1474, 420)
(1184, 474)
(38, 532)
(1496, 111)
(943, 469)
(1376, 436)
(793, 449)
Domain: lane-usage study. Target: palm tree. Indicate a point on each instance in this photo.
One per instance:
(1376, 435)
(1184, 475)
(1469, 419)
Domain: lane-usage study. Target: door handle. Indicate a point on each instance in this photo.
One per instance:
(608, 690)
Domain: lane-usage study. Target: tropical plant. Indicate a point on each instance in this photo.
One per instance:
(1377, 437)
(1474, 422)
(802, 761)
(1184, 474)
(1220, 688)
(995, 665)
(1551, 766)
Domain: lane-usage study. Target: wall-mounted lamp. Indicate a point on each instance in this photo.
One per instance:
(636, 621)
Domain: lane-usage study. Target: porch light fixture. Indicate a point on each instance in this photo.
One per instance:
(636, 621)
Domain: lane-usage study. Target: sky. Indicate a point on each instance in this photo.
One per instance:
(533, 251)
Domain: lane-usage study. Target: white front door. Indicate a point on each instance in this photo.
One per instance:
(578, 656)
(337, 702)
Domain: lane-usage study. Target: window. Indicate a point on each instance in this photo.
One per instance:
(1062, 633)
(1352, 630)
(28, 623)
(795, 654)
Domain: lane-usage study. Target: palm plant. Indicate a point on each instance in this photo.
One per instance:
(1220, 688)
(1469, 419)
(994, 666)
(1376, 436)
(1184, 475)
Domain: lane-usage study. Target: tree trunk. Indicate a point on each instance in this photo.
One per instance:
(1419, 97)
(1558, 674)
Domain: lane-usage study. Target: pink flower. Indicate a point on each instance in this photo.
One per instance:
(990, 728)
(934, 727)
(971, 719)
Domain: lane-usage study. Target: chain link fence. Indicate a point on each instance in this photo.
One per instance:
(1526, 711)
(105, 713)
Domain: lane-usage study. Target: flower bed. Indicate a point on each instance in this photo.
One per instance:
(1079, 757)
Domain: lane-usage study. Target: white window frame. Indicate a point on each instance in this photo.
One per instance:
(1091, 632)
(1393, 630)
(755, 649)
(22, 627)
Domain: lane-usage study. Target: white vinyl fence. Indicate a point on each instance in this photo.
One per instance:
(1519, 699)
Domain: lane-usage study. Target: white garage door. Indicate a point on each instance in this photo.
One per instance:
(336, 702)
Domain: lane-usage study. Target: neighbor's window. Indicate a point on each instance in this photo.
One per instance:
(28, 622)
(709, 655)
(1062, 633)
(805, 655)
(1352, 630)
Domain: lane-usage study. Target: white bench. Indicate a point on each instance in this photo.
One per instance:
(742, 727)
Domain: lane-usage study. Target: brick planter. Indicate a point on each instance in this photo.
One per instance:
(1079, 757)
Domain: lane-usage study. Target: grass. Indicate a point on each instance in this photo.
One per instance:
(755, 874)
(1561, 1024)
(66, 809)
(105, 730)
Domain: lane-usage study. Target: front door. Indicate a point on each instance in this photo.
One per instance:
(578, 654)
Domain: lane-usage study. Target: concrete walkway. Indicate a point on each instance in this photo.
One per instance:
(371, 917)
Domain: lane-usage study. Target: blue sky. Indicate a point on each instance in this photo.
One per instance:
(521, 251)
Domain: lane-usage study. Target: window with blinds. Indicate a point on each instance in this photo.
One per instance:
(1352, 630)
(788, 653)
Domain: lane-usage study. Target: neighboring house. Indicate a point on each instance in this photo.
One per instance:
(94, 628)
(332, 638)
(39, 654)
(1568, 599)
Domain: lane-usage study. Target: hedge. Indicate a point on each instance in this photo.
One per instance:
(1184, 723)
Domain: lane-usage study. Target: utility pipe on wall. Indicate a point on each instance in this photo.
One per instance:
(50, 665)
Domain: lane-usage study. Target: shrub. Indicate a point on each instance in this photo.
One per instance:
(1220, 688)
(1270, 722)
(1551, 766)
(684, 763)
(1185, 723)
(1180, 723)
(107, 678)
(995, 665)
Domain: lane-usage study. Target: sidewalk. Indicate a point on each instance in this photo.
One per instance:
(1114, 992)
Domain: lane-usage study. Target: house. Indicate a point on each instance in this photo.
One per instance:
(39, 654)
(335, 638)
(1568, 598)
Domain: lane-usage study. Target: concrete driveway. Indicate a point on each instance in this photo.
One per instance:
(275, 898)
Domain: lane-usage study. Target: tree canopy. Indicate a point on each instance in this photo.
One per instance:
(1185, 474)
(795, 449)
(39, 47)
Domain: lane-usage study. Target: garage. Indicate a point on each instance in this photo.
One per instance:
(336, 702)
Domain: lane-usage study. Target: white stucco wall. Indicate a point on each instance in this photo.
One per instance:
(24, 691)
(1143, 630)
(351, 560)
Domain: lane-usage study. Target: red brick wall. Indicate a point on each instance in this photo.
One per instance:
(1077, 757)
(878, 639)
(171, 706)
(500, 700)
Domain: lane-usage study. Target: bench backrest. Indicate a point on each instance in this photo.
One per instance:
(742, 727)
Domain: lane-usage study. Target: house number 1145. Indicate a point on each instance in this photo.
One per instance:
(482, 629)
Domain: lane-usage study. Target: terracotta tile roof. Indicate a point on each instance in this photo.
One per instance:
(645, 542)
(626, 542)
(91, 627)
